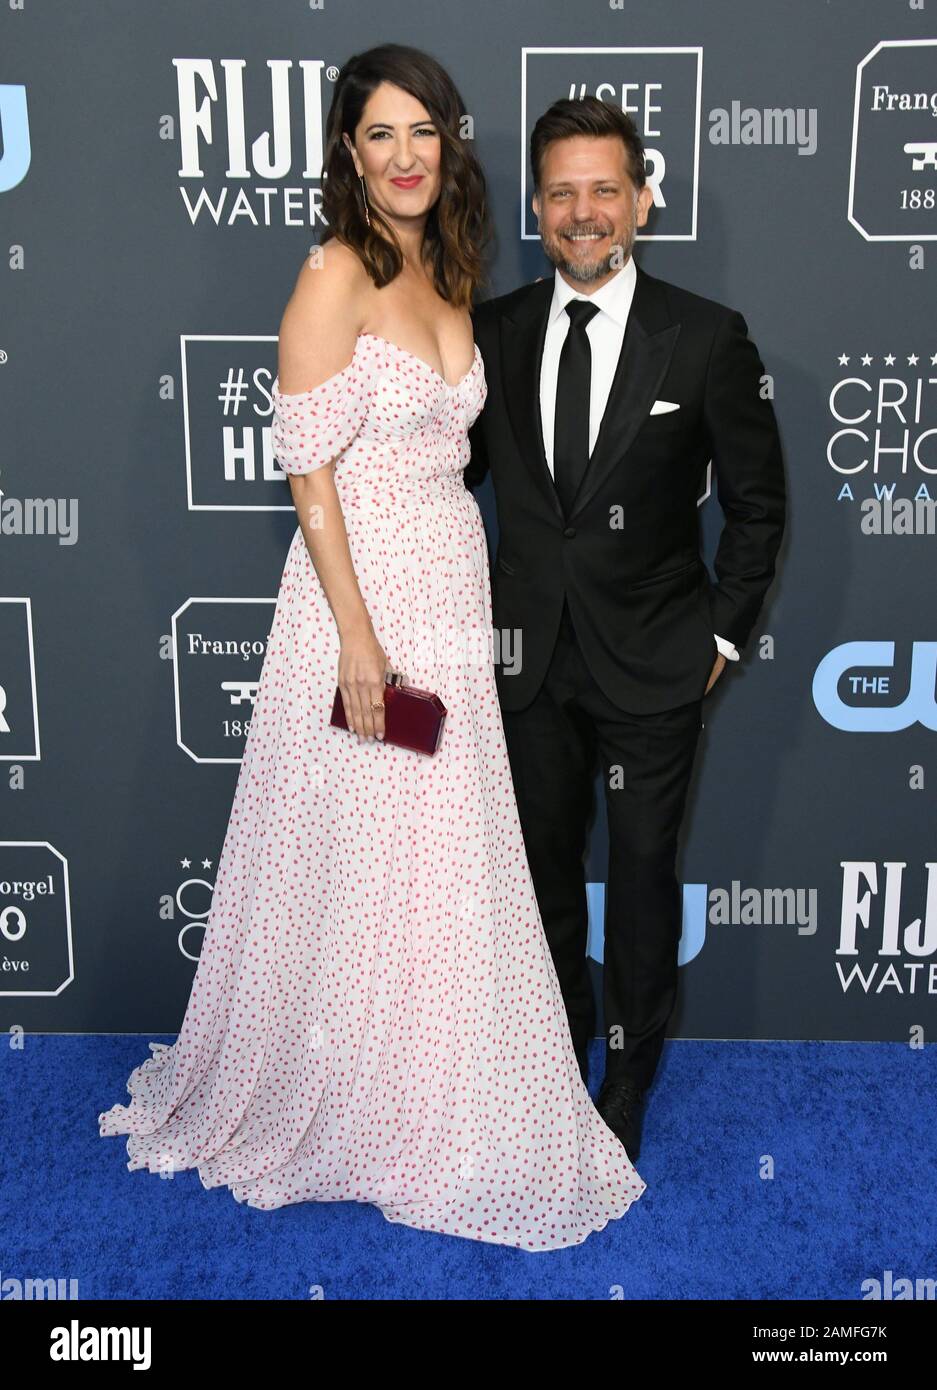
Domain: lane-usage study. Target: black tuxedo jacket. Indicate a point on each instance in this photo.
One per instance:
(627, 556)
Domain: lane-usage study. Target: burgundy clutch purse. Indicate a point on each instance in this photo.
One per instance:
(412, 718)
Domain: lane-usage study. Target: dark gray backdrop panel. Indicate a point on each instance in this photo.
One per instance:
(121, 316)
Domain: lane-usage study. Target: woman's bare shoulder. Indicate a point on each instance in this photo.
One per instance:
(324, 316)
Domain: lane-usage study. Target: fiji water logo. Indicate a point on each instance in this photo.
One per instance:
(251, 139)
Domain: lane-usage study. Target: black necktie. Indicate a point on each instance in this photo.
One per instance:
(571, 420)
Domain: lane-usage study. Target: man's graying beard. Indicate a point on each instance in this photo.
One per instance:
(585, 273)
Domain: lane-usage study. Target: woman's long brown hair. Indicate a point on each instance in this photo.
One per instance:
(457, 226)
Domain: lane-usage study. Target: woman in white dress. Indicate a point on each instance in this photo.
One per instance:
(375, 1016)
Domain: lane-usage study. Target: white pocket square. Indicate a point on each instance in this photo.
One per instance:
(661, 407)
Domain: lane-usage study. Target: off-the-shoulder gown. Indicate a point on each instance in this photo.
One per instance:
(375, 1016)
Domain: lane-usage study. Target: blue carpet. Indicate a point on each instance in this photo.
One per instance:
(848, 1129)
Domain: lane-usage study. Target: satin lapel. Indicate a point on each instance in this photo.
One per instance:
(648, 344)
(522, 337)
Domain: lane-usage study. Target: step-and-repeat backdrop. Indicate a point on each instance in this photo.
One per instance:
(160, 184)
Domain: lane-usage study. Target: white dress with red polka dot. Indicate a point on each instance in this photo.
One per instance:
(375, 1016)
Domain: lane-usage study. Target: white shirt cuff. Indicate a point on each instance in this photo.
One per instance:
(727, 649)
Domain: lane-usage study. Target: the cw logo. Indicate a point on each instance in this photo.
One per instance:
(692, 937)
(918, 707)
(14, 133)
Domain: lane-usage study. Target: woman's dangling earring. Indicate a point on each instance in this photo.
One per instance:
(364, 194)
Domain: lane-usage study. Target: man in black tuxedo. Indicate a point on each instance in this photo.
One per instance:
(609, 391)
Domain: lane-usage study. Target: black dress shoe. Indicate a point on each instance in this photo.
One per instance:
(620, 1104)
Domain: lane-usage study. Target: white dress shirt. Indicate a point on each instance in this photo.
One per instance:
(606, 331)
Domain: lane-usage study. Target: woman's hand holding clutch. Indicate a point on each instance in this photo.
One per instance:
(362, 666)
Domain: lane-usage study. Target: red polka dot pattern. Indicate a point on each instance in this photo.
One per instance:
(375, 1016)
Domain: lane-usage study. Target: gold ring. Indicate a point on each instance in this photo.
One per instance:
(377, 704)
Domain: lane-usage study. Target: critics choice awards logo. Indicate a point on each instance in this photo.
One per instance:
(881, 444)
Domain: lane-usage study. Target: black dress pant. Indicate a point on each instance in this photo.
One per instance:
(646, 760)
